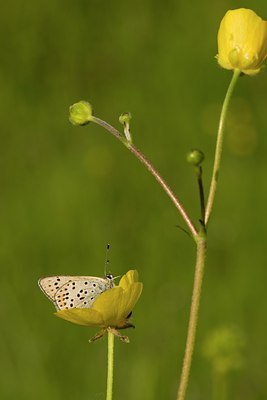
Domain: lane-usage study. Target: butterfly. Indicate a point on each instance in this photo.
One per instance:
(74, 291)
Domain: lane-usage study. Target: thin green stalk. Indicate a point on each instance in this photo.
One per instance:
(202, 244)
(201, 192)
(219, 144)
(110, 365)
(194, 311)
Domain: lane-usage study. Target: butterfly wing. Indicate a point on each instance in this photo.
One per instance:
(81, 292)
(51, 284)
(74, 291)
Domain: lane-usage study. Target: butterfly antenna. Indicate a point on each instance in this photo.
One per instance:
(107, 259)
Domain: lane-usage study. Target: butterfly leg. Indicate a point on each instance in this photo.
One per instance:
(124, 339)
(99, 335)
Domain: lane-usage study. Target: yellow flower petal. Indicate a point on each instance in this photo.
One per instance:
(128, 300)
(107, 305)
(242, 41)
(82, 316)
(116, 304)
(129, 278)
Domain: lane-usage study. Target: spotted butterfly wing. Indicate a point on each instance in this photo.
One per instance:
(51, 284)
(74, 291)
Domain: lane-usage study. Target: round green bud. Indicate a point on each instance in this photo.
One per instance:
(195, 157)
(125, 118)
(81, 113)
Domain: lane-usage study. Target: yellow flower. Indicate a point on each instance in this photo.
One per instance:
(112, 308)
(242, 41)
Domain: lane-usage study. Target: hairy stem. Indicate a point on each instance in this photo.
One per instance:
(219, 144)
(202, 243)
(193, 318)
(110, 365)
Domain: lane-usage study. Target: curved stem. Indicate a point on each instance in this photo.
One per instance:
(110, 365)
(218, 150)
(165, 187)
(152, 170)
(194, 311)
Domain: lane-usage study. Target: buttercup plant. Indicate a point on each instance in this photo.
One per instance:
(96, 302)
(242, 47)
(110, 311)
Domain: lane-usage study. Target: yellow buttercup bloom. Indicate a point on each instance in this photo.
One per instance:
(112, 308)
(242, 41)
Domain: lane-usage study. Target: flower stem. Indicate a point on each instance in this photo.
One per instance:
(194, 311)
(202, 243)
(201, 193)
(152, 170)
(110, 365)
(219, 144)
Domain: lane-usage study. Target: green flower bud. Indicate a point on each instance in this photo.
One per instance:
(81, 113)
(125, 118)
(195, 157)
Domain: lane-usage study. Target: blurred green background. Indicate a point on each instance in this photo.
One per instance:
(68, 191)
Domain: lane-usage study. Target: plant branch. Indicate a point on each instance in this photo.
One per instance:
(201, 193)
(110, 365)
(152, 170)
(219, 144)
(193, 318)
